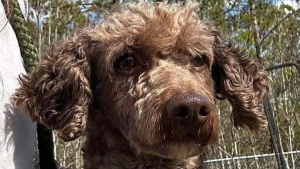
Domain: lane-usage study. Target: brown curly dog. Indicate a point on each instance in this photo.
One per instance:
(142, 87)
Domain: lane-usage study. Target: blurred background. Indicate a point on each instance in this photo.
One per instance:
(268, 29)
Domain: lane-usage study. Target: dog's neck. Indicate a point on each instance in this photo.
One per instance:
(106, 148)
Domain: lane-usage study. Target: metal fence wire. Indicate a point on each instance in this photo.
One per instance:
(262, 161)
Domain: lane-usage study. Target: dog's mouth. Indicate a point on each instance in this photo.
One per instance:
(191, 138)
(199, 137)
(180, 146)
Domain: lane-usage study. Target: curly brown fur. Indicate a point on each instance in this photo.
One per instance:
(58, 92)
(129, 113)
(242, 81)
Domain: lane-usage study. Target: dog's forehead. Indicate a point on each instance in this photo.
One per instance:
(156, 29)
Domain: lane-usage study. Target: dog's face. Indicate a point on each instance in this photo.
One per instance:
(152, 71)
(155, 80)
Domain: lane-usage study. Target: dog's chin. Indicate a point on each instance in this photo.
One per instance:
(179, 149)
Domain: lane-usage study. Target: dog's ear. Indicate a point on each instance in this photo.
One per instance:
(58, 92)
(242, 81)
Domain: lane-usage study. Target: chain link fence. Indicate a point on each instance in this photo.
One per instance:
(261, 161)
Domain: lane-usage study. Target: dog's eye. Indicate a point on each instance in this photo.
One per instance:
(198, 60)
(126, 62)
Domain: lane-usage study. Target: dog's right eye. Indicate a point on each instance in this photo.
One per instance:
(198, 60)
(126, 62)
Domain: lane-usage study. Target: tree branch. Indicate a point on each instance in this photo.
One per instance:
(255, 30)
(275, 26)
(231, 8)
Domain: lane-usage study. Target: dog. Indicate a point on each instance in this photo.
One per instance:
(142, 86)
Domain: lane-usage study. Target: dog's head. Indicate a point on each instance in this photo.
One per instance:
(152, 71)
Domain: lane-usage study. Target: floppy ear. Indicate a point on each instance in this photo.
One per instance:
(58, 92)
(242, 81)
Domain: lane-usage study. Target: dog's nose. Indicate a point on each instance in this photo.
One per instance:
(189, 109)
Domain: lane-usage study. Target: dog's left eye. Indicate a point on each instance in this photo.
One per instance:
(126, 62)
(198, 60)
